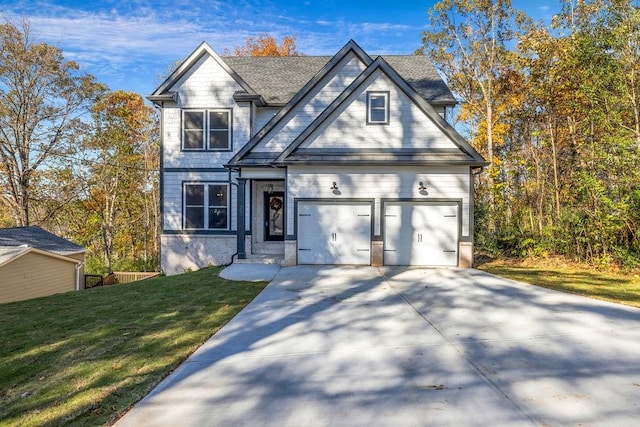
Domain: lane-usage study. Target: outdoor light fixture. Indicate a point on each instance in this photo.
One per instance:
(334, 186)
(270, 188)
(422, 187)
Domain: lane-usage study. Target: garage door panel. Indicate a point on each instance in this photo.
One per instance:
(310, 232)
(421, 234)
(334, 233)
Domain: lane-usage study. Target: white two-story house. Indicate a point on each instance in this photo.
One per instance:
(312, 160)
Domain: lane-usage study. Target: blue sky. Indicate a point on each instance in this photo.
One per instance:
(129, 44)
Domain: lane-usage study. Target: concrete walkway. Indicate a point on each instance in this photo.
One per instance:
(347, 346)
(250, 272)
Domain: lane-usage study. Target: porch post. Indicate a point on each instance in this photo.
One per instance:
(241, 209)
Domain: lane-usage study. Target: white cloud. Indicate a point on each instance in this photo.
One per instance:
(128, 44)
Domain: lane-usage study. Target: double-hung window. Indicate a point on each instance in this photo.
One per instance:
(378, 108)
(206, 130)
(206, 206)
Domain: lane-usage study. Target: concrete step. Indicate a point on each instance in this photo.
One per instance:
(260, 259)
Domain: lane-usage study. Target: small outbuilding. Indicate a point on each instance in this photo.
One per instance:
(36, 263)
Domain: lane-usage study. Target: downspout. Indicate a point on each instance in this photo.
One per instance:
(78, 267)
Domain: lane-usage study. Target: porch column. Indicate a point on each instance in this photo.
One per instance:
(241, 209)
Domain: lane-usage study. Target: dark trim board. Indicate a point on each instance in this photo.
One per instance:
(351, 46)
(472, 203)
(200, 170)
(162, 170)
(203, 232)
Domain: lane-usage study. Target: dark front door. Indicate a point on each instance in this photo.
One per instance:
(274, 216)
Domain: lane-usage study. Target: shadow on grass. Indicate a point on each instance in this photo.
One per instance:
(85, 357)
(623, 290)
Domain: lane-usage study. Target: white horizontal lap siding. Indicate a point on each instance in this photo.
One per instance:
(314, 103)
(408, 126)
(172, 196)
(263, 115)
(206, 86)
(381, 182)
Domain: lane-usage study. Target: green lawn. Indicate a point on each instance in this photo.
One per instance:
(83, 358)
(615, 287)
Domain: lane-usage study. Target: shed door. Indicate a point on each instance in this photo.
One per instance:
(421, 234)
(334, 233)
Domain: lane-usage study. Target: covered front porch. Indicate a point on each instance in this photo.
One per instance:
(262, 239)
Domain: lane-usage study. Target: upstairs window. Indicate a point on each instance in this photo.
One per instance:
(378, 108)
(206, 206)
(206, 130)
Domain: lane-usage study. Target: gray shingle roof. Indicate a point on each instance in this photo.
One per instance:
(38, 238)
(278, 79)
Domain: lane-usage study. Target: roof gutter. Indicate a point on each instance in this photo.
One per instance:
(165, 97)
(256, 99)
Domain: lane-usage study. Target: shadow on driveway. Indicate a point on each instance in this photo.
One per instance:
(397, 346)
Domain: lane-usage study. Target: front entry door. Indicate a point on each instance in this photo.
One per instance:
(274, 216)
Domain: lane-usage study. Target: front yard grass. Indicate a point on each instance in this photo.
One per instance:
(83, 358)
(563, 276)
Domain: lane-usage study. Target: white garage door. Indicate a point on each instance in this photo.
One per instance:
(421, 234)
(334, 233)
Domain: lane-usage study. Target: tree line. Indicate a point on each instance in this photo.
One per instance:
(556, 110)
(76, 158)
(80, 160)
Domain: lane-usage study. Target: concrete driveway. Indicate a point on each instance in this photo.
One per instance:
(361, 346)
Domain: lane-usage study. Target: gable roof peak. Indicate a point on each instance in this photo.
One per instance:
(354, 47)
(350, 47)
(202, 49)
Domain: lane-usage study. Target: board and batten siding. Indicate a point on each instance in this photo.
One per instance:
(378, 183)
(206, 86)
(408, 127)
(312, 105)
(35, 275)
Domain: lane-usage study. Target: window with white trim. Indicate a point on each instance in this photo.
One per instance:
(206, 130)
(206, 206)
(378, 108)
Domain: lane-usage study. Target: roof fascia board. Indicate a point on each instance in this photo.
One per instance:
(40, 252)
(474, 164)
(381, 64)
(329, 110)
(186, 65)
(351, 46)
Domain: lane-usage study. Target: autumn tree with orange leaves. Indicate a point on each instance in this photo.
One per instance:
(267, 45)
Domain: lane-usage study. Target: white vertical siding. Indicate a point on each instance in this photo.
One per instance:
(314, 103)
(408, 126)
(382, 182)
